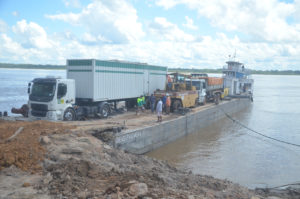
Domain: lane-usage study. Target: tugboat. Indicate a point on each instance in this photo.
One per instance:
(238, 80)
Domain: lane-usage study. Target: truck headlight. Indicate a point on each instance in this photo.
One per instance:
(51, 115)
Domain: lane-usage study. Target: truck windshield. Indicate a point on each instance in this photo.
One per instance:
(196, 84)
(43, 92)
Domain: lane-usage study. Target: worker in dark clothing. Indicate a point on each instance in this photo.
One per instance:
(152, 102)
(169, 82)
(164, 100)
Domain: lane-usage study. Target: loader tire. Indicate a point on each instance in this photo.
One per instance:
(176, 105)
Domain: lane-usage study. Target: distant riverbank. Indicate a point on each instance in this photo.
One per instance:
(181, 70)
(33, 66)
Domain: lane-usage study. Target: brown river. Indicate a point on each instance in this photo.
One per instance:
(229, 151)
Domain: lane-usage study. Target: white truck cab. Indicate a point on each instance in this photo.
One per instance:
(51, 99)
(200, 87)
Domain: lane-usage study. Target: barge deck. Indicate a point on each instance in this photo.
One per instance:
(142, 133)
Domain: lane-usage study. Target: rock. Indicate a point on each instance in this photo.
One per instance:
(133, 182)
(191, 197)
(45, 140)
(138, 189)
(72, 151)
(82, 195)
(106, 146)
(26, 184)
(47, 178)
(86, 140)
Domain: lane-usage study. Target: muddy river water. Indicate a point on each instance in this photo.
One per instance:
(227, 150)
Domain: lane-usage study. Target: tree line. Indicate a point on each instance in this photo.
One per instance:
(180, 70)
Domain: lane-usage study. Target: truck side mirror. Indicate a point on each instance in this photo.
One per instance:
(62, 90)
(28, 90)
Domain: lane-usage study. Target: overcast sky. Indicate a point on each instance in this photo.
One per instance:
(265, 34)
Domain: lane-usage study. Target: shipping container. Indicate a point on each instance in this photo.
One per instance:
(100, 80)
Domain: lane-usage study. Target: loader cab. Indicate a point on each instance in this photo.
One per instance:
(179, 82)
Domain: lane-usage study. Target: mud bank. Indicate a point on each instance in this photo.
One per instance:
(76, 164)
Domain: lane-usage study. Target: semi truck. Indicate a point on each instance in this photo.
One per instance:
(92, 88)
(210, 88)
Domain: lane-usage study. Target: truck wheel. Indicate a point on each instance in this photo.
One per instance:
(176, 105)
(204, 101)
(104, 111)
(69, 115)
(217, 99)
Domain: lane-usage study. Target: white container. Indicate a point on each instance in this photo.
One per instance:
(100, 80)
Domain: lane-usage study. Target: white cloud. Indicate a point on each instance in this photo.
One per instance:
(297, 10)
(15, 13)
(112, 31)
(261, 19)
(190, 23)
(207, 53)
(14, 52)
(111, 20)
(32, 34)
(71, 18)
(3, 26)
(166, 30)
(167, 4)
(72, 3)
(89, 39)
(9, 44)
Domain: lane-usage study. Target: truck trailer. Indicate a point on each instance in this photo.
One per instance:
(92, 88)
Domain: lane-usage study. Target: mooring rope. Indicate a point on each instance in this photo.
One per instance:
(256, 132)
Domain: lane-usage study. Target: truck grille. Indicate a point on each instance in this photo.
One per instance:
(39, 110)
(39, 113)
(39, 107)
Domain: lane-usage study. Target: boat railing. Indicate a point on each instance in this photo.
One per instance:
(237, 69)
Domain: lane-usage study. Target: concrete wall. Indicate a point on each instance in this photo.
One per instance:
(144, 140)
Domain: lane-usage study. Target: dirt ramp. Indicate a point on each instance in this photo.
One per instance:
(20, 143)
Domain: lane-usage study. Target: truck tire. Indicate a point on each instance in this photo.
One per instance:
(204, 102)
(69, 115)
(176, 105)
(104, 111)
(217, 98)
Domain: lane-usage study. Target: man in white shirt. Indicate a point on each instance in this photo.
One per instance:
(159, 107)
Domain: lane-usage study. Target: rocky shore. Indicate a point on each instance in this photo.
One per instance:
(53, 160)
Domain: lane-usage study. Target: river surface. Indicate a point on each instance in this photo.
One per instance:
(14, 83)
(224, 149)
(228, 151)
